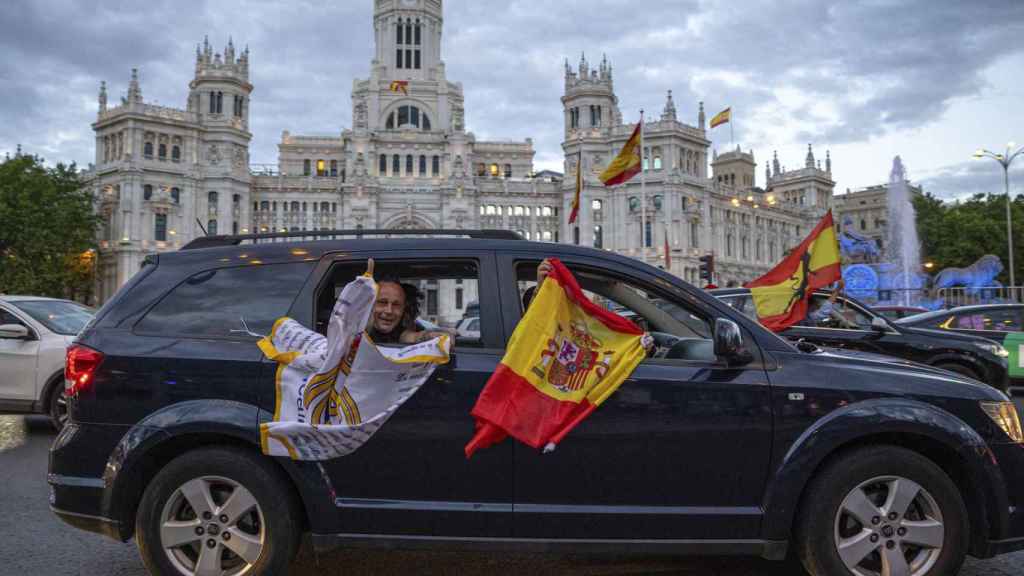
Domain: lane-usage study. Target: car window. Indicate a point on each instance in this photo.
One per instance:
(823, 313)
(215, 302)
(997, 320)
(680, 333)
(741, 302)
(474, 324)
(59, 316)
(447, 288)
(8, 318)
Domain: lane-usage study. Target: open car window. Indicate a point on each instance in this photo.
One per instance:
(446, 287)
(996, 320)
(679, 332)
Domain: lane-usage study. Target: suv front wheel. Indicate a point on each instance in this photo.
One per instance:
(217, 511)
(883, 510)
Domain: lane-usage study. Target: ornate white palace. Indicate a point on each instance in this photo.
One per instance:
(408, 161)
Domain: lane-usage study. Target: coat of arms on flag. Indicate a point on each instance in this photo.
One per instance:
(565, 358)
(400, 86)
(334, 393)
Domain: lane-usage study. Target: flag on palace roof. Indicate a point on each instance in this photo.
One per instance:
(400, 86)
(781, 296)
(722, 117)
(626, 164)
(565, 358)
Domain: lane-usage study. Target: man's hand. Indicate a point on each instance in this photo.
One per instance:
(543, 270)
(647, 341)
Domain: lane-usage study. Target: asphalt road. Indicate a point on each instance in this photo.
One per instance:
(34, 541)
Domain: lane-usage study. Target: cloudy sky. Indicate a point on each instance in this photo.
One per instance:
(930, 80)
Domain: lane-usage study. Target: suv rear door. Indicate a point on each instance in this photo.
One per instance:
(412, 476)
(679, 451)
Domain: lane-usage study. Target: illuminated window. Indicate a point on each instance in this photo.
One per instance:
(494, 170)
(321, 168)
(546, 235)
(596, 205)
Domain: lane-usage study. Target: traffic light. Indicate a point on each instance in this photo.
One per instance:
(707, 267)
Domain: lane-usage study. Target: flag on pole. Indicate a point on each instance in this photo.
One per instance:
(334, 393)
(566, 356)
(579, 188)
(626, 164)
(400, 86)
(722, 117)
(781, 295)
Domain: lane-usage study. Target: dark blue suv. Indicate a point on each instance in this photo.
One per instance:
(729, 440)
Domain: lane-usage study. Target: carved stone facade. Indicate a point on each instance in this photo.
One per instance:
(409, 161)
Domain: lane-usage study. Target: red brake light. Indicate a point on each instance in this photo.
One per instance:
(79, 368)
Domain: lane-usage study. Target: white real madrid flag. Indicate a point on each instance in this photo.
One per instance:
(333, 393)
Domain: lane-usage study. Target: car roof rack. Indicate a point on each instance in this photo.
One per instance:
(236, 239)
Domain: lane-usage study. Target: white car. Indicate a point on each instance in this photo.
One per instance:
(469, 328)
(34, 334)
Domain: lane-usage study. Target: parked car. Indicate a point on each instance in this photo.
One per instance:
(472, 310)
(1003, 323)
(34, 333)
(469, 327)
(731, 441)
(893, 312)
(853, 326)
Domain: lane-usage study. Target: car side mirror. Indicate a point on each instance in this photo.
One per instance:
(14, 331)
(729, 342)
(878, 324)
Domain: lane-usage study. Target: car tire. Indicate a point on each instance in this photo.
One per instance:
(960, 369)
(218, 509)
(57, 406)
(846, 526)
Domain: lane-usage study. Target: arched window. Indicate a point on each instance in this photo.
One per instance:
(220, 102)
(494, 170)
(407, 116)
(307, 167)
(634, 203)
(176, 195)
(295, 206)
(211, 198)
(546, 235)
(325, 206)
(436, 166)
(273, 206)
(408, 164)
(481, 169)
(657, 158)
(305, 207)
(176, 153)
(236, 199)
(596, 205)
(147, 191)
(492, 210)
(396, 165)
(508, 170)
(382, 169)
(423, 165)
(211, 227)
(321, 168)
(657, 202)
(334, 168)
(213, 102)
(264, 206)
(147, 149)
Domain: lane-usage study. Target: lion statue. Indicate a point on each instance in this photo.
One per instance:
(981, 274)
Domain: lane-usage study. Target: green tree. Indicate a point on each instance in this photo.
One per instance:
(47, 230)
(956, 234)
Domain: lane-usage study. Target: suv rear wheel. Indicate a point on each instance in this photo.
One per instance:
(883, 510)
(57, 406)
(217, 511)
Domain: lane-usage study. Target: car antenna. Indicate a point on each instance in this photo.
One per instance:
(205, 233)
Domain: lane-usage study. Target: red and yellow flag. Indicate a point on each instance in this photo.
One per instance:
(566, 356)
(400, 86)
(579, 188)
(722, 117)
(626, 164)
(781, 295)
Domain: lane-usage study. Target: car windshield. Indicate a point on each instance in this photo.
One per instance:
(58, 316)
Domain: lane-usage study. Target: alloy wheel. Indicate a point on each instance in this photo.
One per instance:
(212, 526)
(889, 526)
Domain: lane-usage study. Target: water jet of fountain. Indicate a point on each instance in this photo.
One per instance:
(904, 248)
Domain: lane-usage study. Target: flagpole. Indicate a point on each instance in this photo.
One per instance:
(732, 139)
(643, 192)
(583, 185)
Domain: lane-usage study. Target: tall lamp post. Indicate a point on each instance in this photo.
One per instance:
(1005, 160)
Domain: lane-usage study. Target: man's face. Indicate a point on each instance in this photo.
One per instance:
(389, 307)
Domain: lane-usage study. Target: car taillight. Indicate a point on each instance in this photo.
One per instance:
(80, 368)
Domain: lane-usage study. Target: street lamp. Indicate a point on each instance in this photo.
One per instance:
(1005, 160)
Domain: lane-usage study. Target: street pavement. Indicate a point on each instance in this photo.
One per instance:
(34, 541)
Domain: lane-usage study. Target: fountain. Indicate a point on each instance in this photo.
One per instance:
(904, 249)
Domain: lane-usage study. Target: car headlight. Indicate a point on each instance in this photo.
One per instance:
(1005, 415)
(993, 348)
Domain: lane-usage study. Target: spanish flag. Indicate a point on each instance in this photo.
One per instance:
(722, 117)
(579, 188)
(566, 356)
(781, 295)
(400, 86)
(626, 164)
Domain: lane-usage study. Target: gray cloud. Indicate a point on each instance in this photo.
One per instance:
(829, 72)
